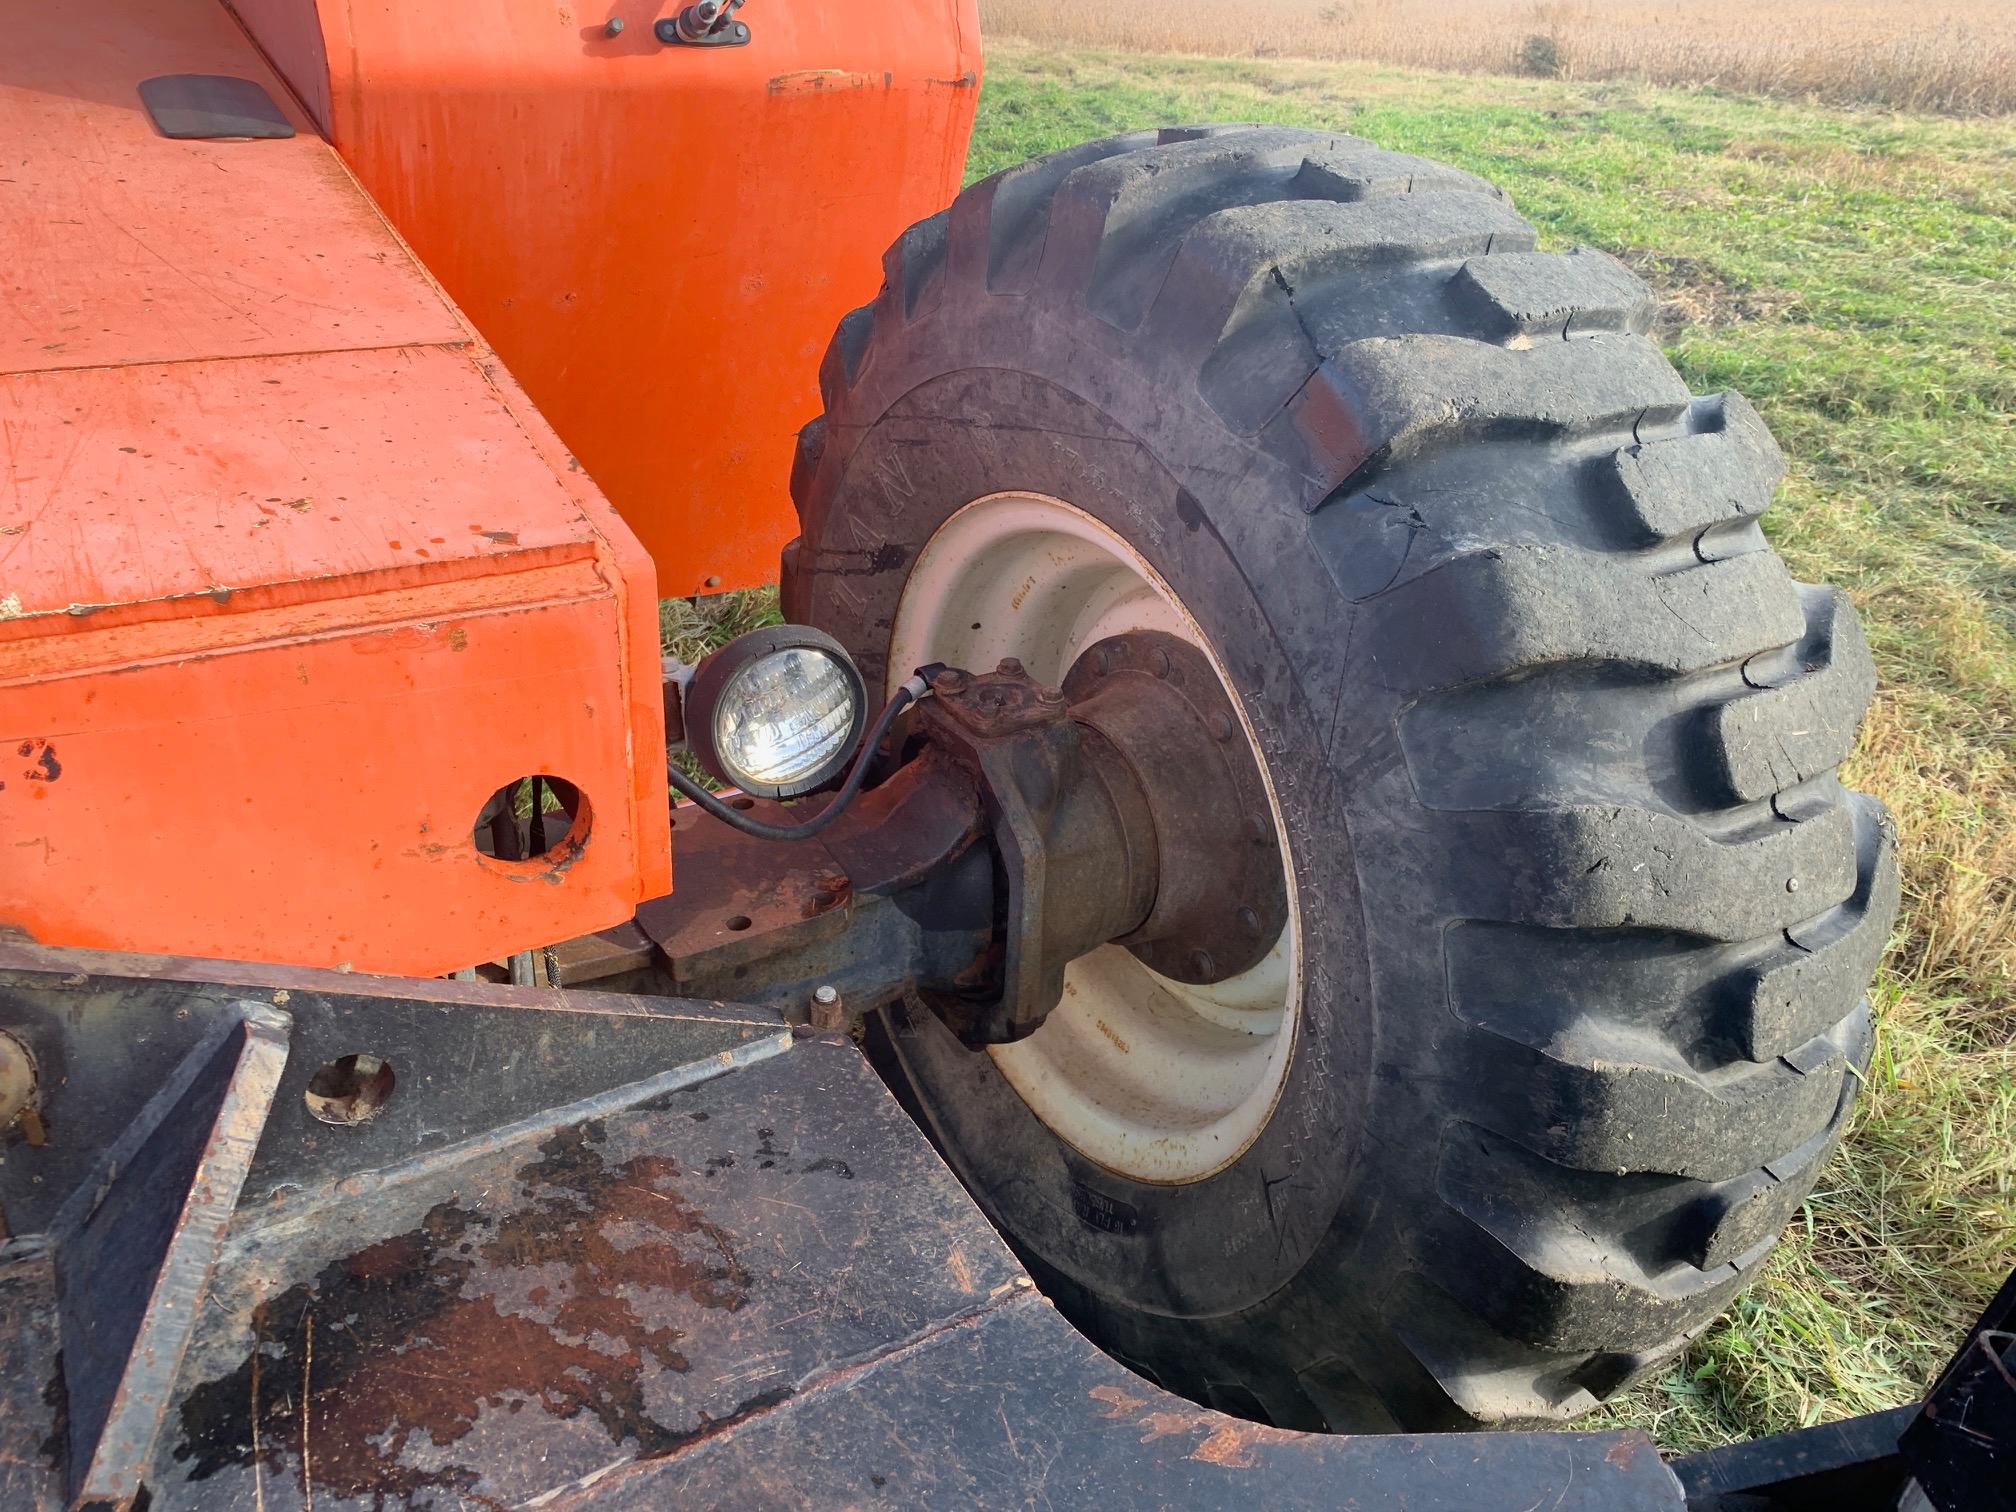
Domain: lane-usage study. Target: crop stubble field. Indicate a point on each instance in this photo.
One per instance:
(1853, 273)
(1949, 55)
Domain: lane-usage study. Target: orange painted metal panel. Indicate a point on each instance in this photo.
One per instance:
(292, 575)
(119, 245)
(660, 240)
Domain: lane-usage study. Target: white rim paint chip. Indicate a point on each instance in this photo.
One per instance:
(1156, 1079)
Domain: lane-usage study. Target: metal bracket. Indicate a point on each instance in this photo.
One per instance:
(135, 1245)
(709, 23)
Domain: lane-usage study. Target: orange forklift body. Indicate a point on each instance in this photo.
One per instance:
(657, 239)
(293, 576)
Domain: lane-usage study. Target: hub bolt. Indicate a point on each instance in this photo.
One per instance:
(1202, 964)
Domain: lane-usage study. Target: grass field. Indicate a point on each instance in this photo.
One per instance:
(1855, 276)
(1952, 55)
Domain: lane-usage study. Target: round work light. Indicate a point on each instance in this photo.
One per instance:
(776, 712)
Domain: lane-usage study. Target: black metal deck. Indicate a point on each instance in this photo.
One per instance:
(591, 1251)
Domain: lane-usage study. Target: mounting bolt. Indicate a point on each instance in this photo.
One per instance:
(826, 1007)
(1221, 727)
(613, 27)
(1202, 964)
(1256, 829)
(1010, 667)
(1158, 662)
(1249, 921)
(949, 681)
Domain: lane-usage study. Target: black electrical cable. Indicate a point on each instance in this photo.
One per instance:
(900, 700)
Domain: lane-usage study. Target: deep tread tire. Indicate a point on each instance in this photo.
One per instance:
(1588, 918)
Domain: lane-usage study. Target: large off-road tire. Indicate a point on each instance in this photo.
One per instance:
(1571, 1002)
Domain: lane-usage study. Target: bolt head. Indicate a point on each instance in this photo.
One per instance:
(1249, 921)
(614, 27)
(1158, 662)
(1202, 964)
(1221, 727)
(825, 995)
(1010, 667)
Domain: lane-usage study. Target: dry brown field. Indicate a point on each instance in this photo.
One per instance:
(1955, 56)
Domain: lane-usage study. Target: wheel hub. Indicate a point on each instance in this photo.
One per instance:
(1161, 1079)
(1220, 898)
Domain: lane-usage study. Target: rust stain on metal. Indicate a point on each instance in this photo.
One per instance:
(1117, 1403)
(560, 1300)
(817, 81)
(1624, 1453)
(1158, 1425)
(962, 1270)
(1226, 1441)
(1231, 1447)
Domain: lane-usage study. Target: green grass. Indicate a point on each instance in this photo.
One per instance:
(1854, 274)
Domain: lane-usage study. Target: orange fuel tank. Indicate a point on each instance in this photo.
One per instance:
(657, 238)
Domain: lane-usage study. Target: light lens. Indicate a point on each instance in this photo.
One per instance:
(784, 717)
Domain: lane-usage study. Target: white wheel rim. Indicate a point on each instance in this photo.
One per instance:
(1158, 1080)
